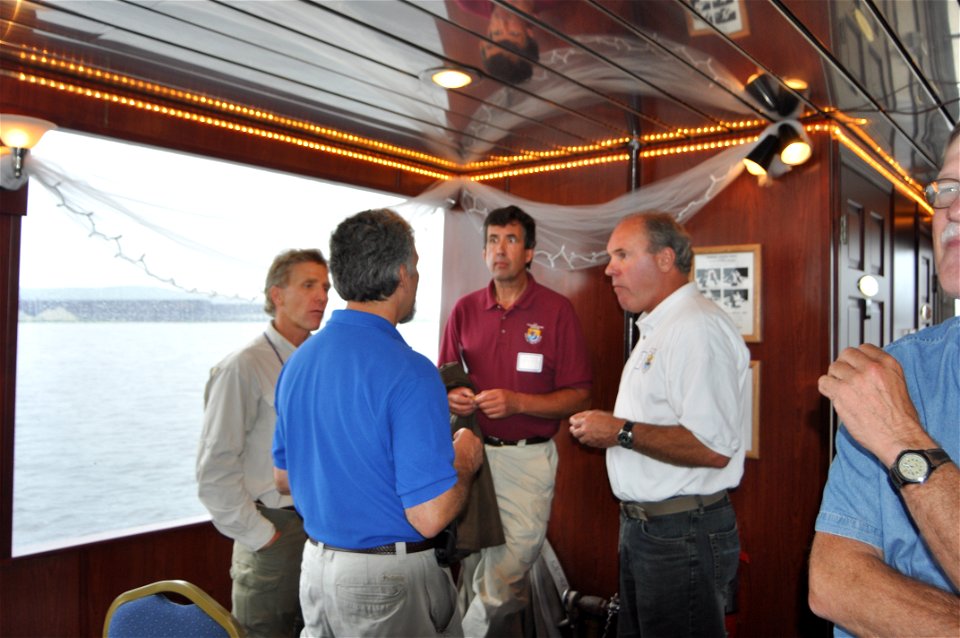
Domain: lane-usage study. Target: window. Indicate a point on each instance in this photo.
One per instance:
(148, 274)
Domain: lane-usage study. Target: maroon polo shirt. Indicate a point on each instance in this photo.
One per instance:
(535, 347)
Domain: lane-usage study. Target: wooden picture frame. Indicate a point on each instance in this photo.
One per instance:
(753, 445)
(729, 16)
(731, 277)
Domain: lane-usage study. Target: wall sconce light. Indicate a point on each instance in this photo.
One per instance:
(762, 88)
(794, 144)
(759, 159)
(786, 143)
(21, 133)
(774, 97)
(450, 77)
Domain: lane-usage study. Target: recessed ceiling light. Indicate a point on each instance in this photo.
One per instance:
(449, 77)
(864, 23)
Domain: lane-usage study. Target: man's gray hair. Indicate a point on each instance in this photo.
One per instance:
(663, 231)
(279, 273)
(366, 252)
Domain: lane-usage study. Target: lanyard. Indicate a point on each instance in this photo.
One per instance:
(275, 351)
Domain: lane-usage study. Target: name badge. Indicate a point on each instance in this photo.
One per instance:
(529, 362)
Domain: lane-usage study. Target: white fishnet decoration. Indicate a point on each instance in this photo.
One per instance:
(575, 237)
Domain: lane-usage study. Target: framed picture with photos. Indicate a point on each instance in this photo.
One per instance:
(728, 16)
(730, 276)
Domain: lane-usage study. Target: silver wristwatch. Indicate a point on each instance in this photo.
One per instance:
(625, 436)
(915, 466)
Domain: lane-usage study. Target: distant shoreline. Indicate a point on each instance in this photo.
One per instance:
(66, 310)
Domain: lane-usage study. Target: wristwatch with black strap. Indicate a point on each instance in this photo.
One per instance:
(625, 436)
(916, 466)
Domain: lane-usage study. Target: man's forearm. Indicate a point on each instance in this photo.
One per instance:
(935, 509)
(851, 586)
(558, 404)
(676, 445)
(431, 517)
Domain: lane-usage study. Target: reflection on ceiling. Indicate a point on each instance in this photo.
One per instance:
(555, 81)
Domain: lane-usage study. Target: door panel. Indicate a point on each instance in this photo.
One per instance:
(864, 251)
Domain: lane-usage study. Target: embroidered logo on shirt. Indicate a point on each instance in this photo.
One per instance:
(646, 359)
(534, 333)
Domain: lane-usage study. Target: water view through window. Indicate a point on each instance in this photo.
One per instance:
(127, 298)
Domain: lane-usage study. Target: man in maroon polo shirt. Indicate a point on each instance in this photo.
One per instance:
(523, 349)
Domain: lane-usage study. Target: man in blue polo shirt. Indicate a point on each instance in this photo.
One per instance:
(523, 349)
(363, 444)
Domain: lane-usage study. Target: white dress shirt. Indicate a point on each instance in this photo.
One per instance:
(690, 368)
(235, 459)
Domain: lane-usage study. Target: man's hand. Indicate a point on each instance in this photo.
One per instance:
(273, 539)
(461, 401)
(870, 396)
(595, 428)
(499, 403)
(468, 452)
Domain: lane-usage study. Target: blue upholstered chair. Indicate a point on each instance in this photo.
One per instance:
(146, 612)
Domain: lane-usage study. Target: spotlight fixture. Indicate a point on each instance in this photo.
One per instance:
(786, 142)
(450, 77)
(773, 96)
(764, 90)
(21, 133)
(759, 159)
(794, 144)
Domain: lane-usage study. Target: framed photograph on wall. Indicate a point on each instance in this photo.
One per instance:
(730, 276)
(753, 436)
(729, 16)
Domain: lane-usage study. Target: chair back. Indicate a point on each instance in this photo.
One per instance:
(146, 612)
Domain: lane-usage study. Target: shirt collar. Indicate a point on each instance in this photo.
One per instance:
(650, 320)
(368, 319)
(284, 347)
(523, 302)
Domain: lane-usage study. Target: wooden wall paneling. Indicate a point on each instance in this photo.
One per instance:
(67, 592)
(195, 553)
(42, 597)
(13, 205)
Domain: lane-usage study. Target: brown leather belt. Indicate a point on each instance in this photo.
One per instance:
(498, 442)
(389, 548)
(646, 511)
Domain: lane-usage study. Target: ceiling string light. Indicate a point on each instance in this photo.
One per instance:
(651, 147)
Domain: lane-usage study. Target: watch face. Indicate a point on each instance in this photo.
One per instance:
(625, 439)
(913, 466)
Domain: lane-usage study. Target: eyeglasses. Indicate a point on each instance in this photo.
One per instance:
(942, 193)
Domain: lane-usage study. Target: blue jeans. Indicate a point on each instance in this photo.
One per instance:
(678, 572)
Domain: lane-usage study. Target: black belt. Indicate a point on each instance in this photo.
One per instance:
(498, 442)
(389, 548)
(676, 505)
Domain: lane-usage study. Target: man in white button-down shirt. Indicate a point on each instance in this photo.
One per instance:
(234, 461)
(675, 440)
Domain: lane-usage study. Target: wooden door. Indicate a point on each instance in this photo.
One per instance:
(864, 264)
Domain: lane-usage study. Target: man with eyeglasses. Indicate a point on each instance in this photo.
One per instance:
(886, 556)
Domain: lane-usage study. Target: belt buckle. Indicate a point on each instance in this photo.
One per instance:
(635, 511)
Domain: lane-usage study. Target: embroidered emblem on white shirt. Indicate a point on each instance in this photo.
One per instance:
(646, 359)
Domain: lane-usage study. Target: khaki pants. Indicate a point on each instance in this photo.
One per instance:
(266, 583)
(370, 595)
(523, 478)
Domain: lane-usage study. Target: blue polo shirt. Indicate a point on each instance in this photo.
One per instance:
(362, 431)
(859, 502)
